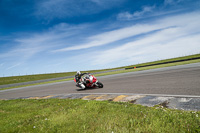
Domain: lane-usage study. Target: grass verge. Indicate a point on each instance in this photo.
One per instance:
(49, 82)
(67, 115)
(115, 72)
(166, 61)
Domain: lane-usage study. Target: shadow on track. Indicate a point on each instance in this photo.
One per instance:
(88, 89)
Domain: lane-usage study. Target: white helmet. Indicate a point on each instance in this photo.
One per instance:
(78, 72)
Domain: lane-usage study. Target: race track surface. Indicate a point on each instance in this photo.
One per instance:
(177, 80)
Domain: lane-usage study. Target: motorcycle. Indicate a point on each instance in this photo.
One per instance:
(88, 81)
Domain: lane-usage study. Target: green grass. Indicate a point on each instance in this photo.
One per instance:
(48, 82)
(81, 116)
(166, 60)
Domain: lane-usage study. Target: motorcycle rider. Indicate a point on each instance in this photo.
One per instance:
(78, 79)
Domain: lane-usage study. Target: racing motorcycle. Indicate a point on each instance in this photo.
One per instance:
(88, 81)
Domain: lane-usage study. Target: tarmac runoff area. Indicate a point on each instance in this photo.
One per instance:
(188, 103)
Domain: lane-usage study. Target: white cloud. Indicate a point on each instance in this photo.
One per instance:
(112, 36)
(172, 2)
(68, 8)
(25, 48)
(13, 66)
(145, 9)
(138, 14)
(31, 44)
(169, 2)
(123, 33)
(182, 38)
(168, 7)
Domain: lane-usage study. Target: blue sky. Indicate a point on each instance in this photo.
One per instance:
(47, 36)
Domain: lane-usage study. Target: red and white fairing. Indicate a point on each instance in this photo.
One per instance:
(91, 81)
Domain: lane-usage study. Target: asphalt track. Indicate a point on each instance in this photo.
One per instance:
(176, 80)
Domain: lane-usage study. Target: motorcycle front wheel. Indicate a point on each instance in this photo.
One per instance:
(100, 85)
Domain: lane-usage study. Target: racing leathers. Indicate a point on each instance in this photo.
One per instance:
(78, 80)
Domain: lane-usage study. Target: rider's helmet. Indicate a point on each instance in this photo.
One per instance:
(78, 72)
